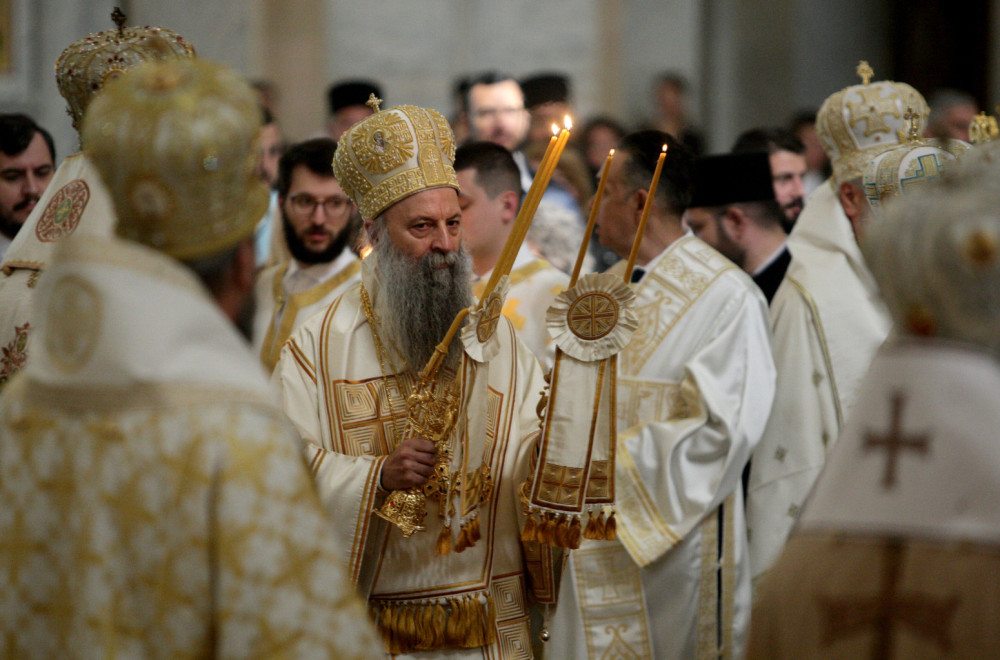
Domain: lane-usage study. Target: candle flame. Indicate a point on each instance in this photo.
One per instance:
(664, 148)
(567, 122)
(611, 153)
(555, 130)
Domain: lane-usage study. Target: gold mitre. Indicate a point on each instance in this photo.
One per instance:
(860, 121)
(87, 64)
(393, 154)
(983, 128)
(175, 143)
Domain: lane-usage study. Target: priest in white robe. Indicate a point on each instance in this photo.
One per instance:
(896, 551)
(75, 201)
(490, 198)
(315, 217)
(827, 319)
(461, 586)
(694, 391)
(155, 501)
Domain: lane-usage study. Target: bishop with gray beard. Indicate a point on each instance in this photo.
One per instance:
(419, 298)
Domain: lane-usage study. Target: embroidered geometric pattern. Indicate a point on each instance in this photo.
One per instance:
(372, 414)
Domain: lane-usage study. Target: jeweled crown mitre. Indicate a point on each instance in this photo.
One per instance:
(87, 64)
(175, 143)
(393, 154)
(859, 122)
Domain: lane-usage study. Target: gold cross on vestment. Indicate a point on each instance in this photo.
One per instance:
(925, 616)
(864, 71)
(374, 102)
(895, 441)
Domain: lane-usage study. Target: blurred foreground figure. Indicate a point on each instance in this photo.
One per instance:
(155, 501)
(74, 201)
(896, 553)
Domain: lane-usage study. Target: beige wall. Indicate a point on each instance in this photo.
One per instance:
(751, 62)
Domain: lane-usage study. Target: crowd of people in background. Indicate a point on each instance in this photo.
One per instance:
(817, 296)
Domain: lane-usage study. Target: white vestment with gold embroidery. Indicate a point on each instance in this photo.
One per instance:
(351, 417)
(897, 551)
(155, 503)
(694, 390)
(279, 312)
(534, 285)
(827, 322)
(75, 202)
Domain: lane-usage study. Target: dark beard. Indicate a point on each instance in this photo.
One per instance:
(418, 300)
(302, 254)
(8, 226)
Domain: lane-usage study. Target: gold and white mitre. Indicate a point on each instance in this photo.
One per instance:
(900, 170)
(927, 412)
(859, 122)
(87, 64)
(394, 153)
(176, 145)
(936, 257)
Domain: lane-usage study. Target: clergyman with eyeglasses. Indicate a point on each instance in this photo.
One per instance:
(316, 217)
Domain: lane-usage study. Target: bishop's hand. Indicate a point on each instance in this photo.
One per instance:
(410, 464)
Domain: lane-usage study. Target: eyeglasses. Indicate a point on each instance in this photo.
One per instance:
(493, 113)
(305, 204)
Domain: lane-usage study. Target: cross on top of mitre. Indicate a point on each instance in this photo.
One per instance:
(374, 102)
(865, 71)
(913, 123)
(118, 17)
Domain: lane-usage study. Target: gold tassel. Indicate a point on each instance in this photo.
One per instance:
(409, 625)
(562, 532)
(611, 528)
(474, 532)
(439, 619)
(453, 626)
(463, 540)
(573, 537)
(588, 531)
(443, 545)
(427, 641)
(530, 529)
(547, 533)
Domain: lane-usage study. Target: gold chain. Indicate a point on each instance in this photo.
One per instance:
(383, 354)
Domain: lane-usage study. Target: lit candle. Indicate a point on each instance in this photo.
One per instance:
(645, 215)
(527, 212)
(513, 244)
(592, 220)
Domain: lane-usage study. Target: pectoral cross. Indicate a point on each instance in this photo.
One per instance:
(925, 616)
(894, 441)
(374, 102)
(864, 71)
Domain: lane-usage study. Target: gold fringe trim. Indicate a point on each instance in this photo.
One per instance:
(463, 622)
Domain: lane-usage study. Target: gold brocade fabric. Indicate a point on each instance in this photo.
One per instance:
(176, 145)
(163, 532)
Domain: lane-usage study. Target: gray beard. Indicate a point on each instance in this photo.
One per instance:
(418, 301)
